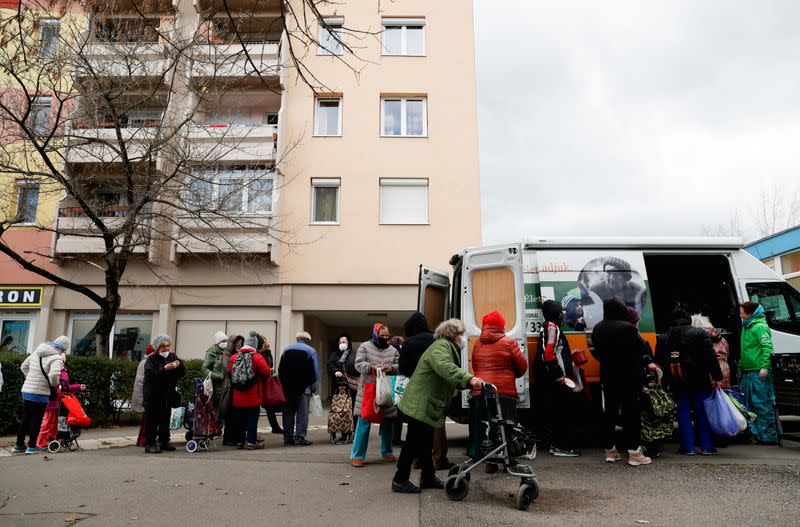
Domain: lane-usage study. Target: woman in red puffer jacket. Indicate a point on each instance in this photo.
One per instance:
(248, 401)
(497, 360)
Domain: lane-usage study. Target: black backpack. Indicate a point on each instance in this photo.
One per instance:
(679, 361)
(243, 376)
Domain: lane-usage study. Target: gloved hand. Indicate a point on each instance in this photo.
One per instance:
(763, 374)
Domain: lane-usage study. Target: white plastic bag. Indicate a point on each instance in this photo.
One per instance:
(740, 420)
(176, 418)
(383, 389)
(315, 406)
(208, 386)
(399, 383)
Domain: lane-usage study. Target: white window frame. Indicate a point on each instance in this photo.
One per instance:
(404, 24)
(30, 316)
(404, 115)
(326, 183)
(38, 104)
(335, 26)
(120, 316)
(317, 102)
(27, 183)
(50, 22)
(404, 182)
(214, 177)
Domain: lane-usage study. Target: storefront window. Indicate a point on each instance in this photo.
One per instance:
(14, 335)
(129, 337)
(83, 337)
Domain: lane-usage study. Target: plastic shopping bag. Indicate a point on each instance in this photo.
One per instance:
(383, 389)
(77, 416)
(315, 405)
(208, 386)
(369, 410)
(720, 414)
(176, 418)
(399, 383)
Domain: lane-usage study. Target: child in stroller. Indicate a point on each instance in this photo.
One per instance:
(201, 421)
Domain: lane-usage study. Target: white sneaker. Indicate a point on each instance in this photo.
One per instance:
(637, 457)
(612, 456)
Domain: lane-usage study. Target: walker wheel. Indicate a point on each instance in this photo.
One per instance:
(203, 444)
(53, 447)
(456, 490)
(526, 494)
(456, 468)
(191, 446)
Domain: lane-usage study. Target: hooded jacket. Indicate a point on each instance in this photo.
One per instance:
(252, 396)
(35, 382)
(756, 343)
(498, 360)
(698, 360)
(553, 344)
(622, 352)
(418, 339)
(215, 365)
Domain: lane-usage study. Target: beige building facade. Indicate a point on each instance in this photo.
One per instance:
(373, 176)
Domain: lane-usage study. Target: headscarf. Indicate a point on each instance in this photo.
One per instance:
(553, 312)
(345, 353)
(376, 329)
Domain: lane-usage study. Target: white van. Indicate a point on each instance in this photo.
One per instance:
(711, 276)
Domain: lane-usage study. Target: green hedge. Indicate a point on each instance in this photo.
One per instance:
(109, 387)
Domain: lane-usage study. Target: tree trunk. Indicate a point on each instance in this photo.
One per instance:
(105, 324)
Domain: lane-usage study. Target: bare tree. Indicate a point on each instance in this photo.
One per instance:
(733, 228)
(777, 208)
(126, 117)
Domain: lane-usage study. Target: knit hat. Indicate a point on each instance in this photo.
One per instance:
(494, 318)
(632, 316)
(220, 336)
(160, 341)
(304, 335)
(62, 342)
(252, 340)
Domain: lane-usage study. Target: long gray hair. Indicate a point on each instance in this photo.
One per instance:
(449, 329)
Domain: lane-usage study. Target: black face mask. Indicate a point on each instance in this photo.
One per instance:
(383, 342)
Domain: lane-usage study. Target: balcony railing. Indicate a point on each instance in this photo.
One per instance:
(126, 59)
(215, 61)
(222, 142)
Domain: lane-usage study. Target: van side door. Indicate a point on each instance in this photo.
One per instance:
(433, 295)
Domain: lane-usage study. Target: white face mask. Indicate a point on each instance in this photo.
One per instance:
(222, 345)
(163, 353)
(342, 347)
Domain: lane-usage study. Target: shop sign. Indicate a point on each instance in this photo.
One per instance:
(20, 296)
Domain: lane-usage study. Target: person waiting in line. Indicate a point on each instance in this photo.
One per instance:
(721, 348)
(265, 350)
(623, 357)
(161, 373)
(425, 402)
(137, 399)
(691, 370)
(397, 433)
(214, 365)
(299, 375)
(374, 355)
(342, 367)
(49, 428)
(755, 366)
(497, 360)
(248, 367)
(227, 412)
(41, 370)
(555, 376)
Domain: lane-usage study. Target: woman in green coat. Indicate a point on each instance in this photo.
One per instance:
(425, 402)
(755, 365)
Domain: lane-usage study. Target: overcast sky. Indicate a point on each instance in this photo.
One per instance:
(633, 117)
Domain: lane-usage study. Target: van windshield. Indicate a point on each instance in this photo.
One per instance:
(781, 303)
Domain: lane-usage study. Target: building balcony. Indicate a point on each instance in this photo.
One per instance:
(131, 60)
(245, 235)
(225, 61)
(248, 6)
(221, 142)
(77, 234)
(101, 145)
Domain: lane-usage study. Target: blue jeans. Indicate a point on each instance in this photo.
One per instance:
(249, 423)
(688, 403)
(295, 413)
(361, 438)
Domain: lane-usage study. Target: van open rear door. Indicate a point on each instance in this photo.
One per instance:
(493, 280)
(434, 295)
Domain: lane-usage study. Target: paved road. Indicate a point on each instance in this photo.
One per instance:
(316, 486)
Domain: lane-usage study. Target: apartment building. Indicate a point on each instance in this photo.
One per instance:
(781, 253)
(349, 189)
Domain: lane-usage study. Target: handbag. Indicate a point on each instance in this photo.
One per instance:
(273, 393)
(208, 386)
(53, 392)
(369, 410)
(383, 389)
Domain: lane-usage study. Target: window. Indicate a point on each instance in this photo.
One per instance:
(790, 263)
(272, 118)
(325, 200)
(27, 201)
(129, 336)
(330, 36)
(403, 36)
(404, 117)
(16, 332)
(781, 303)
(39, 118)
(233, 190)
(329, 116)
(48, 41)
(404, 201)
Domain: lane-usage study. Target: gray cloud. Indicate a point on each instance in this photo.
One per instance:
(633, 117)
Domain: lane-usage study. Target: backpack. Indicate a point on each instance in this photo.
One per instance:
(243, 376)
(679, 363)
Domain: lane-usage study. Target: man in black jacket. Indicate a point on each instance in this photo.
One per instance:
(691, 369)
(623, 356)
(161, 373)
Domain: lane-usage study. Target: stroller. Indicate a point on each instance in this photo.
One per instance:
(505, 441)
(71, 421)
(202, 422)
(340, 417)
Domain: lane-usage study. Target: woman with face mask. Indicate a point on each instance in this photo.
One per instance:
(230, 435)
(373, 355)
(214, 366)
(342, 367)
(161, 373)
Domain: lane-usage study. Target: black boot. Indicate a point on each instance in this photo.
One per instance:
(406, 487)
(434, 483)
(152, 449)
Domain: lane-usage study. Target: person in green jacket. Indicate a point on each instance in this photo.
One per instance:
(425, 402)
(754, 366)
(213, 364)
